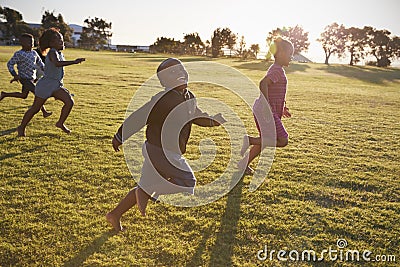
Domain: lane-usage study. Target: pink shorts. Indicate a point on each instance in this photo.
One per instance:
(280, 129)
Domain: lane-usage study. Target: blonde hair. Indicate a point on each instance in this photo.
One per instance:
(280, 44)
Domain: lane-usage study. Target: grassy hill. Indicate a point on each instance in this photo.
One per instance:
(337, 179)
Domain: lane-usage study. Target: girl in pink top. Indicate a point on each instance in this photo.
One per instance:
(273, 93)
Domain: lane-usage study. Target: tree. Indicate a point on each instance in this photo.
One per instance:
(255, 48)
(242, 45)
(49, 20)
(382, 46)
(12, 18)
(333, 40)
(95, 33)
(222, 38)
(208, 48)
(230, 39)
(296, 35)
(395, 43)
(216, 43)
(356, 43)
(166, 45)
(13, 25)
(193, 44)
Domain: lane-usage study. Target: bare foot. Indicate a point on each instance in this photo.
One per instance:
(47, 114)
(141, 200)
(63, 127)
(2, 95)
(20, 131)
(115, 222)
(249, 171)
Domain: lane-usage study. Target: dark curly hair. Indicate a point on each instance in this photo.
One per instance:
(46, 37)
(26, 35)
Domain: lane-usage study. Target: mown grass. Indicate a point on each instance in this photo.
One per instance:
(337, 178)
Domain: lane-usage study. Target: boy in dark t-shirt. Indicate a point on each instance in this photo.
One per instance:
(169, 116)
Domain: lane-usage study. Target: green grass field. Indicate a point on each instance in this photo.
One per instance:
(337, 179)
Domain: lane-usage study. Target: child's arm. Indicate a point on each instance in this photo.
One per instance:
(286, 113)
(134, 123)
(10, 65)
(116, 143)
(205, 120)
(59, 63)
(264, 84)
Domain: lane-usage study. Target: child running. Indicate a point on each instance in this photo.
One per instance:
(51, 84)
(27, 61)
(165, 170)
(273, 93)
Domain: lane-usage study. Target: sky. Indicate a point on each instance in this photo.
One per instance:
(141, 22)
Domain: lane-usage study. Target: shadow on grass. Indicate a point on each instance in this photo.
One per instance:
(367, 74)
(25, 151)
(196, 259)
(92, 248)
(160, 57)
(264, 65)
(7, 132)
(222, 252)
(183, 59)
(86, 83)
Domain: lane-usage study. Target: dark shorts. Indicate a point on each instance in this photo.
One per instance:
(27, 85)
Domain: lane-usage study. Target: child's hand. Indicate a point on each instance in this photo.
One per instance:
(15, 79)
(116, 144)
(219, 118)
(79, 60)
(286, 113)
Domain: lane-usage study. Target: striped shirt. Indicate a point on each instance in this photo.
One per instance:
(27, 62)
(276, 99)
(277, 90)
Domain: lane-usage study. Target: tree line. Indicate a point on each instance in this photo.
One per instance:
(95, 32)
(356, 43)
(359, 43)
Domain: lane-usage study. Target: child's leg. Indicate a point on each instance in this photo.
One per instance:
(282, 141)
(45, 112)
(114, 216)
(22, 95)
(248, 141)
(243, 164)
(142, 198)
(255, 150)
(36, 106)
(255, 140)
(66, 98)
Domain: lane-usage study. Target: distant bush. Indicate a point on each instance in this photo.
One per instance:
(371, 63)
